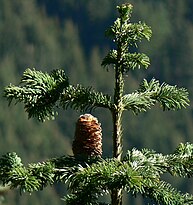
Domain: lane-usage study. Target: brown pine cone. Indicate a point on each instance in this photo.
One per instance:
(88, 137)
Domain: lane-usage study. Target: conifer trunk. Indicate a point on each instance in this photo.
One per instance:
(117, 135)
(116, 195)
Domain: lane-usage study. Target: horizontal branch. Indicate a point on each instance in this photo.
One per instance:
(81, 98)
(178, 163)
(170, 97)
(139, 172)
(36, 176)
(41, 93)
(129, 61)
(38, 91)
(98, 179)
(138, 102)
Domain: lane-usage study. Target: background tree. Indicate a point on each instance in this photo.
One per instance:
(49, 38)
(88, 174)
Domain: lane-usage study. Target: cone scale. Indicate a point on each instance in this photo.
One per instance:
(88, 137)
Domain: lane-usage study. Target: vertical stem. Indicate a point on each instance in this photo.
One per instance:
(117, 133)
(116, 195)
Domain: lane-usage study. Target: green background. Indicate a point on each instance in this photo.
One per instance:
(69, 34)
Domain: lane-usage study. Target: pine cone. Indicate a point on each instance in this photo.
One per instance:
(88, 137)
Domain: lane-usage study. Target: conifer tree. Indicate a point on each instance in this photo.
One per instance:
(87, 173)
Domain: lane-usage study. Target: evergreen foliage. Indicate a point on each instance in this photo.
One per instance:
(88, 178)
(41, 93)
(38, 91)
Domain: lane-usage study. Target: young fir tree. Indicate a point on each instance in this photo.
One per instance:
(87, 173)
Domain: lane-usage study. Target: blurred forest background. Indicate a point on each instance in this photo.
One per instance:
(69, 34)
